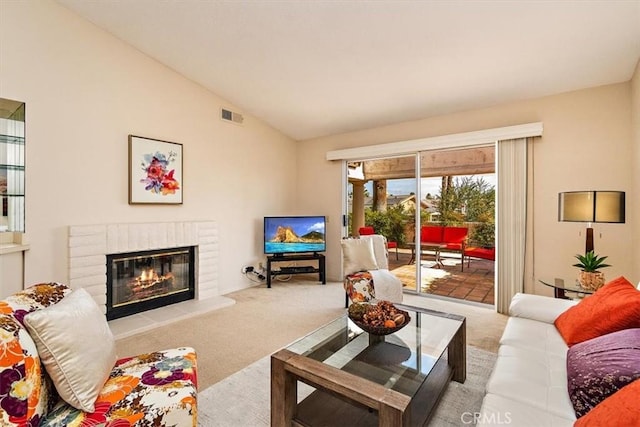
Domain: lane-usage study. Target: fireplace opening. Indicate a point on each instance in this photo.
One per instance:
(141, 281)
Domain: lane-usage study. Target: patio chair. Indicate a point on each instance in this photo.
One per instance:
(367, 231)
(481, 253)
(453, 239)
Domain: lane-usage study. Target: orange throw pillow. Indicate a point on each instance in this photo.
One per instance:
(612, 308)
(620, 409)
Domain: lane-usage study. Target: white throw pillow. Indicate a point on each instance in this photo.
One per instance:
(379, 243)
(357, 255)
(75, 346)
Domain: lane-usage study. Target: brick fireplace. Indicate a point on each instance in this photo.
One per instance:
(89, 246)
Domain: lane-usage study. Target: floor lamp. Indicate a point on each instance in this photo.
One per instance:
(590, 207)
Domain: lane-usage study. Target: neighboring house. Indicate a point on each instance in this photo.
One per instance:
(408, 203)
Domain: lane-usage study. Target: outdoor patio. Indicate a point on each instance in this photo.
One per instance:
(475, 283)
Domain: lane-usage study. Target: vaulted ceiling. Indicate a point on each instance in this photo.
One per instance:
(313, 68)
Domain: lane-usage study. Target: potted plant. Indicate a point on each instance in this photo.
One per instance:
(589, 276)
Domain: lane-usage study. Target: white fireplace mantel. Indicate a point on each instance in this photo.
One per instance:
(89, 245)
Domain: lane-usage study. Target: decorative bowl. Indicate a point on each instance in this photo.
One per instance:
(381, 330)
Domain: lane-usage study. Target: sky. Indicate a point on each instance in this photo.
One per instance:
(397, 187)
(300, 225)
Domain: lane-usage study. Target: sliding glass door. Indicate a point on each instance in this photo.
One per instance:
(432, 222)
(381, 196)
(458, 223)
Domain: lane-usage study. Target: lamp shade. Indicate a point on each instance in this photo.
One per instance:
(592, 206)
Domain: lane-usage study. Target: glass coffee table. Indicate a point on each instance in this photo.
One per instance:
(363, 379)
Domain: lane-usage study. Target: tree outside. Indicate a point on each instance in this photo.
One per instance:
(389, 223)
(467, 200)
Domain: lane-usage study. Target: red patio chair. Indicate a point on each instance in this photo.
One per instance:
(456, 240)
(431, 234)
(482, 253)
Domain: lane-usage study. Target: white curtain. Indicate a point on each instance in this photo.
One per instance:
(511, 213)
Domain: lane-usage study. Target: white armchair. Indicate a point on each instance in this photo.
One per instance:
(366, 272)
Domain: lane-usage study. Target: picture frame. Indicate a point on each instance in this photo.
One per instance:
(155, 171)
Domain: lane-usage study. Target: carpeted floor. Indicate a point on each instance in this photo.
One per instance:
(264, 320)
(243, 399)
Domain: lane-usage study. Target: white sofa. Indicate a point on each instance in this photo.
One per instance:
(528, 385)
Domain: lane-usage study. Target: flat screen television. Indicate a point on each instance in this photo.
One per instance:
(294, 234)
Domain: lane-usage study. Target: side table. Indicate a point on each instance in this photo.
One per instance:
(435, 247)
(560, 287)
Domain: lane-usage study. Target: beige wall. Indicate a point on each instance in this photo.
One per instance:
(586, 145)
(85, 91)
(633, 200)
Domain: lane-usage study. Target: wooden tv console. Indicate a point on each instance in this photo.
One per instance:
(282, 271)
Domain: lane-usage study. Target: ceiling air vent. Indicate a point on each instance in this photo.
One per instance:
(230, 116)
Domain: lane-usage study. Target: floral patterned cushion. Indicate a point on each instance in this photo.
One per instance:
(599, 367)
(26, 392)
(359, 287)
(155, 389)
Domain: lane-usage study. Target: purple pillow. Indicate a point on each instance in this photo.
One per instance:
(599, 367)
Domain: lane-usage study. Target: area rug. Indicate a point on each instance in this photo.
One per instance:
(243, 399)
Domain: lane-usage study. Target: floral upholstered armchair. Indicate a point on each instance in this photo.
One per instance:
(42, 384)
(366, 272)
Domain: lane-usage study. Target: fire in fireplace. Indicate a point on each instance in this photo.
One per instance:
(140, 281)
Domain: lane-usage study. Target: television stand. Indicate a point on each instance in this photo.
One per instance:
(282, 271)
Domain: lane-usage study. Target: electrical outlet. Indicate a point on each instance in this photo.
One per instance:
(260, 266)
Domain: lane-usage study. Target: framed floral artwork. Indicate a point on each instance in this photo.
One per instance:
(155, 171)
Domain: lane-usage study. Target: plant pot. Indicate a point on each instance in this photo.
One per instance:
(591, 280)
